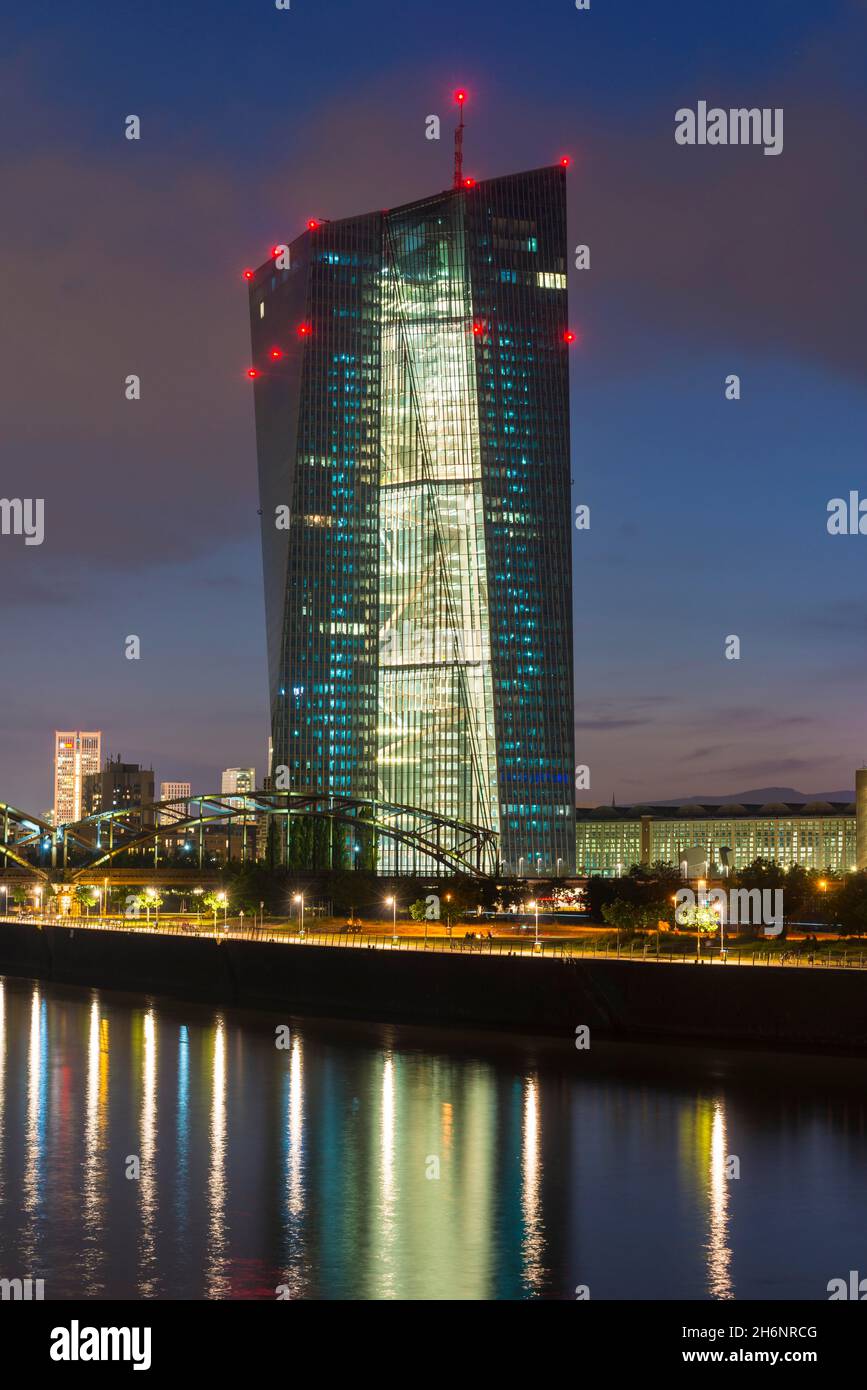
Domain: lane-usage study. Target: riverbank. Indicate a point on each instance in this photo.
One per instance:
(817, 1010)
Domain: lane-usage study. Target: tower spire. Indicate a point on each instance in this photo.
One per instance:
(460, 98)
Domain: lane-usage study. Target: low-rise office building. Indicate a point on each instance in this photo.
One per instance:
(817, 835)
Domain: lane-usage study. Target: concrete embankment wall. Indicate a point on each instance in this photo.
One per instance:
(761, 1005)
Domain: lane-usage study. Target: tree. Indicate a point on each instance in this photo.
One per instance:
(761, 873)
(850, 903)
(702, 920)
(621, 915)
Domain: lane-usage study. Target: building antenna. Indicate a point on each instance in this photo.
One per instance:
(460, 98)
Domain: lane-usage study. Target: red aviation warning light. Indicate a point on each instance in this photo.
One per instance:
(312, 225)
(252, 373)
(276, 354)
(460, 98)
(478, 329)
(565, 161)
(469, 183)
(569, 336)
(304, 330)
(248, 274)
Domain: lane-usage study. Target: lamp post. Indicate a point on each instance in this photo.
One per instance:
(197, 894)
(38, 896)
(448, 899)
(701, 885)
(299, 898)
(722, 931)
(151, 896)
(392, 902)
(534, 907)
(224, 899)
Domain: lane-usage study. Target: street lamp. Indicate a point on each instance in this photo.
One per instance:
(38, 896)
(718, 909)
(299, 898)
(392, 902)
(150, 895)
(448, 899)
(534, 907)
(224, 899)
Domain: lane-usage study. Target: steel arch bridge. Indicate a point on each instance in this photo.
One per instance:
(419, 841)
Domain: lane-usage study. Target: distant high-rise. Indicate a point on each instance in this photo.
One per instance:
(116, 786)
(412, 413)
(76, 755)
(173, 791)
(170, 791)
(238, 779)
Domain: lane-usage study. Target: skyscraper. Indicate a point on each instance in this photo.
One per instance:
(172, 791)
(411, 387)
(238, 779)
(117, 786)
(76, 755)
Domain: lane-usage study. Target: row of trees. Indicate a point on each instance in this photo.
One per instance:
(644, 897)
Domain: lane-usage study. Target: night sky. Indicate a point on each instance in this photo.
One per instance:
(708, 517)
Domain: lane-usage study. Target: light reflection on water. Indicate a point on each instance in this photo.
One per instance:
(387, 1163)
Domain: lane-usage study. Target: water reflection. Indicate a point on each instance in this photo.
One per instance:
(148, 1273)
(531, 1193)
(34, 1134)
(2, 1094)
(719, 1178)
(217, 1284)
(362, 1163)
(92, 1183)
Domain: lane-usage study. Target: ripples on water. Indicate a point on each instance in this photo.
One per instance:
(370, 1162)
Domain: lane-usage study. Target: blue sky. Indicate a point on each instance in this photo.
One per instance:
(708, 517)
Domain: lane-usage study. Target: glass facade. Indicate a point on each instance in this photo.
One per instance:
(317, 418)
(417, 429)
(436, 719)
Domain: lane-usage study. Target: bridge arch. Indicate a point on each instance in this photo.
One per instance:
(436, 842)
